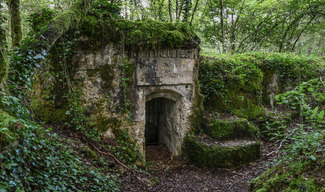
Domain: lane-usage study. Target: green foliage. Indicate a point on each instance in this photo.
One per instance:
(292, 67)
(25, 60)
(77, 119)
(7, 129)
(307, 137)
(42, 162)
(309, 97)
(102, 9)
(41, 18)
(127, 70)
(305, 176)
(304, 147)
(231, 85)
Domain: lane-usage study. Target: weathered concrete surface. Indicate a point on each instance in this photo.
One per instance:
(166, 73)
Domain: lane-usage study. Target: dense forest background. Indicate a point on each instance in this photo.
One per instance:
(245, 45)
(232, 26)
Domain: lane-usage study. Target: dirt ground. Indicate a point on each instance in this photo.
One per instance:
(181, 175)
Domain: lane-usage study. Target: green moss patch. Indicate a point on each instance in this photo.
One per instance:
(231, 86)
(135, 35)
(231, 129)
(207, 152)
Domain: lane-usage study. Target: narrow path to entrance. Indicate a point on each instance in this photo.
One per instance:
(183, 176)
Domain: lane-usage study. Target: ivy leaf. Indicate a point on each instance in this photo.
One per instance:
(321, 115)
(312, 157)
(39, 56)
(310, 89)
(314, 113)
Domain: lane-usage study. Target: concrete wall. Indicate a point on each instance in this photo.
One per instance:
(159, 73)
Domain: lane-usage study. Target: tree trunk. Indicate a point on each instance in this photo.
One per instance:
(222, 27)
(15, 22)
(302, 31)
(66, 20)
(3, 53)
(159, 10)
(197, 2)
(321, 44)
(170, 12)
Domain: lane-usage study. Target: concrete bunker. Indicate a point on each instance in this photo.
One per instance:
(166, 77)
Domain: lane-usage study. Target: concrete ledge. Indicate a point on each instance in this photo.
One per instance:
(210, 153)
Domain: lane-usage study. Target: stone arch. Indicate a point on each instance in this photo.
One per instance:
(162, 118)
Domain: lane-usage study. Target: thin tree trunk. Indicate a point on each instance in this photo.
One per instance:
(186, 11)
(3, 53)
(159, 10)
(222, 27)
(321, 44)
(15, 22)
(170, 12)
(289, 27)
(176, 10)
(180, 8)
(302, 31)
(196, 4)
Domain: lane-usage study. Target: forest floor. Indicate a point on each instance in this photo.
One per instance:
(181, 175)
(164, 174)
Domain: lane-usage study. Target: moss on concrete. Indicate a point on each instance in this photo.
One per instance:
(104, 123)
(197, 114)
(136, 35)
(220, 156)
(231, 129)
(106, 73)
(231, 86)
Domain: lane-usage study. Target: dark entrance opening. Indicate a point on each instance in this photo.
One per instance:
(160, 122)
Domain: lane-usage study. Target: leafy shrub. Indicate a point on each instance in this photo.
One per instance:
(41, 18)
(302, 161)
(41, 162)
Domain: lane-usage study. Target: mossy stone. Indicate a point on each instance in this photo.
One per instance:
(231, 129)
(220, 156)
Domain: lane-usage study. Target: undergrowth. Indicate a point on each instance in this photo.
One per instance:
(302, 162)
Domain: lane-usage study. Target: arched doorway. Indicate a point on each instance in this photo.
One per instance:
(161, 122)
